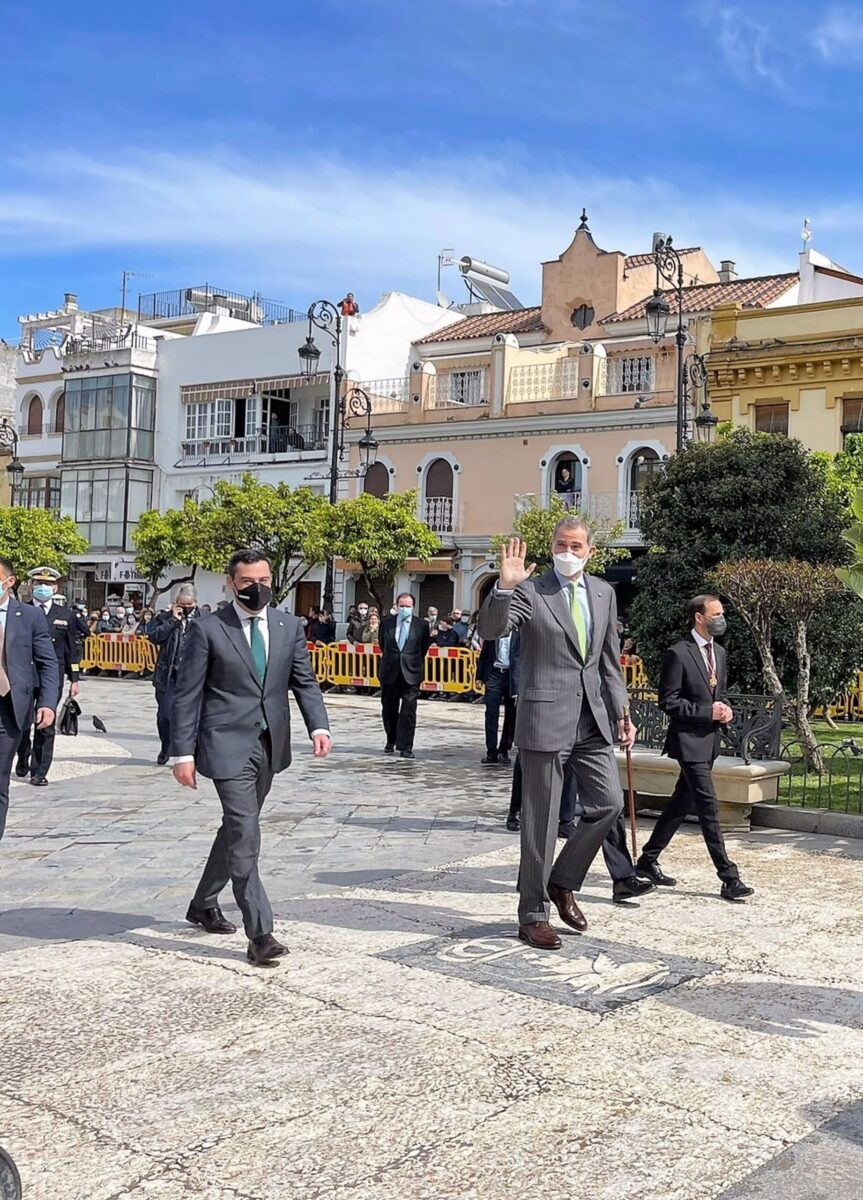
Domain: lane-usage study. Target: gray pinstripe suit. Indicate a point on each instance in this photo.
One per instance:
(565, 708)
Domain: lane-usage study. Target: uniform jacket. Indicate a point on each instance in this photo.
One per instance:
(687, 697)
(30, 660)
(219, 703)
(553, 679)
(63, 626)
(409, 662)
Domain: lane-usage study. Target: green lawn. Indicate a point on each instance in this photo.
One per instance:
(840, 788)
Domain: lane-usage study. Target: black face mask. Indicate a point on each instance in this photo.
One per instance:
(255, 596)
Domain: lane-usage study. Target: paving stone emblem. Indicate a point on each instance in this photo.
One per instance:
(586, 973)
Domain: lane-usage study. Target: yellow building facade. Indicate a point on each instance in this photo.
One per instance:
(796, 370)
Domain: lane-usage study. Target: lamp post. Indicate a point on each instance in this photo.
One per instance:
(324, 315)
(15, 470)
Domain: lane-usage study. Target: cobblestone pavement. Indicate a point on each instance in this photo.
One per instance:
(409, 1046)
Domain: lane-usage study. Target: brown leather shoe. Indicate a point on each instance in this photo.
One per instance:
(568, 910)
(263, 951)
(211, 919)
(540, 935)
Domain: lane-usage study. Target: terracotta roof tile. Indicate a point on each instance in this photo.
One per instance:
(522, 320)
(642, 260)
(750, 293)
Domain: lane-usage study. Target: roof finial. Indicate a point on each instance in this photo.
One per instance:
(583, 224)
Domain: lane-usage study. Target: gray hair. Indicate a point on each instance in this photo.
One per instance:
(187, 589)
(570, 523)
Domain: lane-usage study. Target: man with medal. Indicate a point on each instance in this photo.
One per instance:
(693, 690)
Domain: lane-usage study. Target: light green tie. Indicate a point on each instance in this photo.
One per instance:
(578, 619)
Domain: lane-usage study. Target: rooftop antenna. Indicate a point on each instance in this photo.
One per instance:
(806, 231)
(446, 258)
(126, 276)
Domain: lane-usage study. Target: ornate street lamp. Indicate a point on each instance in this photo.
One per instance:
(324, 315)
(15, 469)
(705, 425)
(669, 266)
(657, 311)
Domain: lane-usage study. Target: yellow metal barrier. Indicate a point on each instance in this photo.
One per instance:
(449, 669)
(320, 654)
(119, 652)
(634, 674)
(353, 665)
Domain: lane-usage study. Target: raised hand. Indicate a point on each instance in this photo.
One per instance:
(513, 568)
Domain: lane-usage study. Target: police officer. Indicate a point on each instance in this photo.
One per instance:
(63, 626)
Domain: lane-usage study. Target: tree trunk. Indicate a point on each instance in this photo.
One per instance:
(811, 752)
(159, 591)
(372, 586)
(763, 639)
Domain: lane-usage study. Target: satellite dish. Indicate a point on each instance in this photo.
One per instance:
(442, 300)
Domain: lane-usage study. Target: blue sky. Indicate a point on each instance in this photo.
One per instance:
(301, 150)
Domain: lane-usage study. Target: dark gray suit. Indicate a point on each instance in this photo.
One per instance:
(31, 665)
(564, 713)
(239, 732)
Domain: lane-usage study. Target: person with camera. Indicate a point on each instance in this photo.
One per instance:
(169, 632)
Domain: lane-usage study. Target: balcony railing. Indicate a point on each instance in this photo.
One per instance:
(108, 344)
(287, 439)
(458, 389)
(543, 381)
(190, 302)
(603, 509)
(387, 395)
(439, 514)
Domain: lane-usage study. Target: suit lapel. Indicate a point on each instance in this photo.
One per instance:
(11, 632)
(695, 651)
(594, 603)
(277, 627)
(234, 633)
(556, 598)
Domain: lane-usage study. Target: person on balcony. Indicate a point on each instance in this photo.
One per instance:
(565, 488)
(348, 306)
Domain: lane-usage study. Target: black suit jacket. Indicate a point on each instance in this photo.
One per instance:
(487, 655)
(219, 702)
(30, 661)
(686, 696)
(408, 663)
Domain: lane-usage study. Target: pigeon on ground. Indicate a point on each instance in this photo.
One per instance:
(99, 724)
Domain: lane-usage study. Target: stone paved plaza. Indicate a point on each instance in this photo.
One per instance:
(410, 1046)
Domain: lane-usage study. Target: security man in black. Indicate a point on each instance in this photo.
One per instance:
(35, 758)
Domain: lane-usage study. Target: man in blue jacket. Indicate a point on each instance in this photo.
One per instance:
(27, 662)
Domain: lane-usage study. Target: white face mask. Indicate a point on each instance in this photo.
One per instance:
(569, 564)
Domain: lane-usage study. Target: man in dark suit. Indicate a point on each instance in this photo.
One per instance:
(405, 640)
(693, 691)
(494, 670)
(27, 663)
(571, 696)
(232, 723)
(168, 631)
(35, 759)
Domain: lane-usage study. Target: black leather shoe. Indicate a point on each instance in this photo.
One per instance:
(653, 872)
(407, 753)
(504, 759)
(263, 951)
(389, 748)
(512, 823)
(736, 890)
(22, 769)
(38, 781)
(213, 920)
(566, 829)
(162, 760)
(629, 888)
(490, 760)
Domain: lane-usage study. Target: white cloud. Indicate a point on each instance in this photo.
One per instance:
(839, 37)
(317, 224)
(746, 44)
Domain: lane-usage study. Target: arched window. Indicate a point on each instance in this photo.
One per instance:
(643, 465)
(60, 413)
(34, 416)
(566, 478)
(377, 481)
(438, 496)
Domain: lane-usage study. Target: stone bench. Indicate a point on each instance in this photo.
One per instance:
(738, 785)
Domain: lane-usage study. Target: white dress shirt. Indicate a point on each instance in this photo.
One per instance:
(246, 619)
(702, 642)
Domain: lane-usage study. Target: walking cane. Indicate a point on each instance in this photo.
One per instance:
(630, 790)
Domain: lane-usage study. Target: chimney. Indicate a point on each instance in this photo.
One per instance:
(727, 271)
(70, 302)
